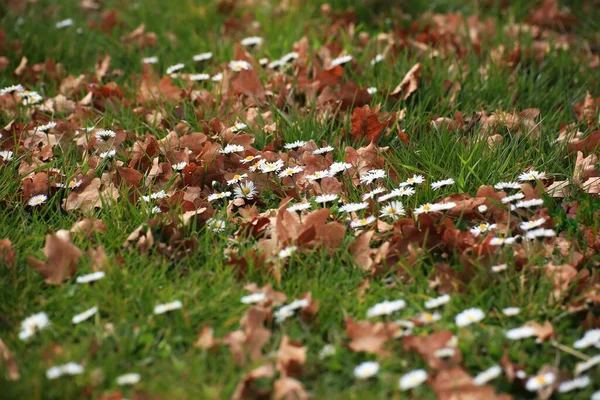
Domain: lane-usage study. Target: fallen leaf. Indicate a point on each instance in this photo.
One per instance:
(409, 83)
(62, 257)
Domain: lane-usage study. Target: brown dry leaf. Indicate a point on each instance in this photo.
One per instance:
(247, 83)
(585, 167)
(206, 339)
(62, 257)
(97, 257)
(542, 332)
(88, 226)
(141, 238)
(456, 384)
(158, 92)
(289, 389)
(562, 276)
(591, 186)
(90, 196)
(102, 67)
(547, 14)
(370, 337)
(290, 357)
(361, 250)
(409, 83)
(140, 38)
(426, 346)
(365, 123)
(246, 388)
(249, 341)
(12, 369)
(7, 253)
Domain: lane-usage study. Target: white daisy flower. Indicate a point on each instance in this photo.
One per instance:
(288, 310)
(37, 200)
(511, 198)
(489, 374)
(150, 60)
(155, 210)
(444, 352)
(30, 97)
(338, 167)
(161, 194)
(6, 155)
(482, 208)
(540, 381)
(595, 395)
(239, 65)
(87, 314)
(202, 56)
(179, 166)
(289, 57)
(174, 68)
(393, 210)
(327, 351)
(238, 126)
(527, 225)
(290, 171)
(217, 77)
(521, 374)
(445, 206)
(108, 154)
(317, 175)
(340, 60)
(574, 384)
(74, 183)
(429, 318)
(483, 227)
(326, 198)
(442, 183)
(93, 277)
(64, 23)
(412, 379)
(499, 241)
(511, 311)
(299, 207)
(366, 370)
(323, 150)
(372, 90)
(46, 127)
(232, 148)
(540, 233)
(586, 365)
(129, 379)
(378, 58)
(414, 180)
(287, 252)
(253, 298)
(403, 191)
(216, 225)
(267, 167)
(385, 308)
(469, 316)
(251, 41)
(372, 193)
(199, 77)
(353, 207)
(105, 134)
(294, 145)
(249, 159)
(70, 368)
(532, 175)
(164, 308)
(507, 186)
(437, 301)
(257, 165)
(523, 332)
(499, 268)
(11, 89)
(590, 338)
(263, 61)
(362, 222)
(236, 179)
(275, 64)
(246, 190)
(31, 325)
(372, 175)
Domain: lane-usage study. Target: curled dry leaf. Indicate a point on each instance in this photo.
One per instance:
(290, 357)
(456, 384)
(370, 336)
(409, 83)
(246, 389)
(426, 346)
(62, 257)
(365, 123)
(206, 339)
(248, 343)
(289, 389)
(541, 332)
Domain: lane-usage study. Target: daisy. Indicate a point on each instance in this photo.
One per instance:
(64, 23)
(288, 310)
(257, 165)
(586, 365)
(574, 384)
(482, 228)
(469, 317)
(290, 171)
(174, 68)
(46, 127)
(164, 308)
(372, 90)
(590, 337)
(338, 167)
(372, 193)
(239, 65)
(317, 175)
(323, 150)
(31, 325)
(444, 352)
(340, 60)
(532, 175)
(595, 395)
(372, 175)
(236, 179)
(108, 154)
(232, 148)
(414, 180)
(327, 351)
(540, 233)
(179, 166)
(412, 379)
(511, 198)
(216, 225)
(253, 298)
(353, 207)
(93, 277)
(445, 206)
(295, 145)
(499, 268)
(105, 134)
(499, 241)
(66, 369)
(130, 379)
(263, 61)
(199, 77)
(249, 159)
(378, 58)
(429, 318)
(385, 308)
(538, 382)
(150, 60)
(507, 186)
(251, 41)
(275, 64)
(386, 197)
(362, 222)
(287, 252)
(6, 155)
(404, 191)
(11, 89)
(438, 301)
(523, 332)
(511, 311)
(439, 184)
(489, 374)
(366, 370)
(74, 183)
(482, 208)
(155, 210)
(525, 226)
(393, 210)
(161, 194)
(30, 97)
(217, 77)
(246, 190)
(87, 314)
(267, 167)
(326, 198)
(37, 200)
(299, 207)
(202, 57)
(238, 126)
(426, 208)
(289, 57)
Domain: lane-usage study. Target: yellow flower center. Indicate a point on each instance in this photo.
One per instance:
(249, 158)
(428, 317)
(541, 379)
(482, 226)
(426, 207)
(363, 221)
(245, 190)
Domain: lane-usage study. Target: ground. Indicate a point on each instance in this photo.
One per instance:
(476, 93)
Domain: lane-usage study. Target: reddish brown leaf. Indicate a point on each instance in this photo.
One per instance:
(409, 83)
(62, 257)
(370, 337)
(365, 123)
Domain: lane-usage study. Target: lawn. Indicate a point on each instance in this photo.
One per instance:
(299, 199)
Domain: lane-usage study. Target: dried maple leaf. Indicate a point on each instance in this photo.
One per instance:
(140, 38)
(370, 337)
(361, 250)
(426, 346)
(249, 341)
(12, 369)
(7, 253)
(409, 83)
(90, 196)
(456, 384)
(247, 83)
(141, 238)
(365, 123)
(246, 388)
(562, 276)
(158, 92)
(38, 184)
(88, 226)
(541, 332)
(289, 389)
(290, 357)
(62, 257)
(206, 339)
(585, 167)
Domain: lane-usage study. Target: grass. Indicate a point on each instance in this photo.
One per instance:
(160, 347)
